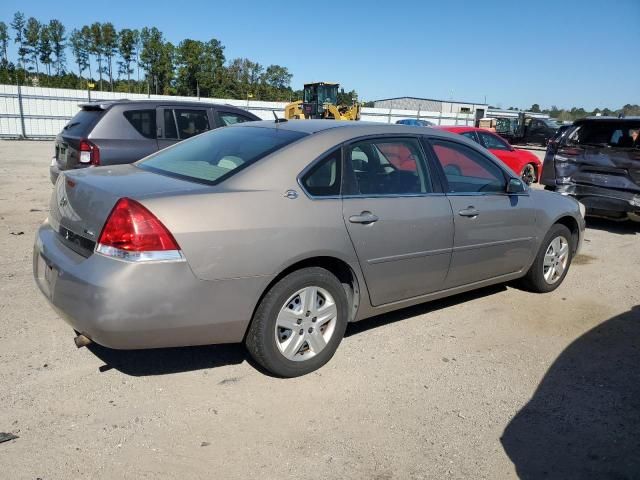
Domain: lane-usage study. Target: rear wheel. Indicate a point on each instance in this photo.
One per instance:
(528, 174)
(552, 262)
(299, 323)
(634, 216)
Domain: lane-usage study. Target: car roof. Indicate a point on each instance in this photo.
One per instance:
(606, 119)
(106, 104)
(315, 126)
(459, 129)
(346, 130)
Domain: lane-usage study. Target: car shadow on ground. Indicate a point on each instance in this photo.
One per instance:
(164, 361)
(583, 420)
(625, 227)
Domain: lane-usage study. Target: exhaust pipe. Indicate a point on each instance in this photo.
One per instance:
(81, 341)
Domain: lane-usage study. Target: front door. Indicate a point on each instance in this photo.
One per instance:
(494, 231)
(400, 225)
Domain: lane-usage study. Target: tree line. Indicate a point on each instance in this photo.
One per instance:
(572, 114)
(132, 60)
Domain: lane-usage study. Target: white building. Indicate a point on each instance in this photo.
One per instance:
(478, 110)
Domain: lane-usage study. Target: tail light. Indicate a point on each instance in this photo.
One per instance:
(132, 233)
(89, 153)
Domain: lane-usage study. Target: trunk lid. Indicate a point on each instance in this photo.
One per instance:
(83, 199)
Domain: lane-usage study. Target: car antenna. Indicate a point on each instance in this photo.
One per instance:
(278, 120)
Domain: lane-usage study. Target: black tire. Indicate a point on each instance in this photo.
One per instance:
(534, 280)
(260, 339)
(529, 180)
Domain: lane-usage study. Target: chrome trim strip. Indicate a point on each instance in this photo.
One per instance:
(139, 257)
(492, 244)
(407, 256)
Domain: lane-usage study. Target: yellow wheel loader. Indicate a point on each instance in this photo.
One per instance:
(321, 101)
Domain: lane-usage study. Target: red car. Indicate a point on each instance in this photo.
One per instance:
(522, 162)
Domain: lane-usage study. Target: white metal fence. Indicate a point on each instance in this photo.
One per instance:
(39, 112)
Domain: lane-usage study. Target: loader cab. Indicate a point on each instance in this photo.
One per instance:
(316, 95)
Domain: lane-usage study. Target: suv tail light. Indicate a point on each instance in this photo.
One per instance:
(89, 153)
(132, 233)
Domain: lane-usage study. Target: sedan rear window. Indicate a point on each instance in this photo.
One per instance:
(216, 155)
(83, 121)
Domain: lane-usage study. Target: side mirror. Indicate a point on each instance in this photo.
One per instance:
(516, 185)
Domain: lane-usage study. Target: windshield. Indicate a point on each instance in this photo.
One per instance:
(216, 155)
(328, 94)
(550, 122)
(624, 134)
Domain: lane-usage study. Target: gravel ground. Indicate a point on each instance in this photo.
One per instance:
(495, 384)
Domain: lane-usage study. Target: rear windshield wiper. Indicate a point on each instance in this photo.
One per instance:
(69, 125)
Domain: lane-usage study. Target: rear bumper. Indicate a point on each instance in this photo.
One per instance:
(599, 199)
(131, 306)
(54, 173)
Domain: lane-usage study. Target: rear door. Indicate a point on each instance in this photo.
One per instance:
(494, 231)
(176, 123)
(399, 221)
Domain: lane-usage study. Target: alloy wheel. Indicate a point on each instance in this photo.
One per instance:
(556, 259)
(305, 324)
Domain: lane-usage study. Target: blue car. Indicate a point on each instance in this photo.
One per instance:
(414, 122)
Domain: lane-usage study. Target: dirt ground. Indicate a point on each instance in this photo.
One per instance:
(495, 384)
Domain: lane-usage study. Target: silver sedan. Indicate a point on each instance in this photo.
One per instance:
(278, 234)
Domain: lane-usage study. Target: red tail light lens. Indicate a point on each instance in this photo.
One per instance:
(89, 153)
(133, 233)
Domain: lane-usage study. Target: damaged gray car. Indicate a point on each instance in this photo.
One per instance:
(597, 161)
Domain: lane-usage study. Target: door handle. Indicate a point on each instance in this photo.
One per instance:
(470, 211)
(365, 218)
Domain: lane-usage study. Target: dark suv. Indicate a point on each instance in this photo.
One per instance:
(597, 161)
(123, 131)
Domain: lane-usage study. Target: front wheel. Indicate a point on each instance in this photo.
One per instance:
(552, 262)
(528, 174)
(299, 323)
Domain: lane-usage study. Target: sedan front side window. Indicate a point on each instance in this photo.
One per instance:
(388, 166)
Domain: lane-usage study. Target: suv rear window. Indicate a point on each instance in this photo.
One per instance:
(621, 134)
(83, 122)
(144, 121)
(216, 155)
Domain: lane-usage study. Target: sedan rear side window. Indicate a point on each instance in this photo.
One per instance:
(466, 170)
(144, 121)
(388, 166)
(324, 178)
(217, 155)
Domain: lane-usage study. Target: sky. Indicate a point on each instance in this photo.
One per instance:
(509, 53)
